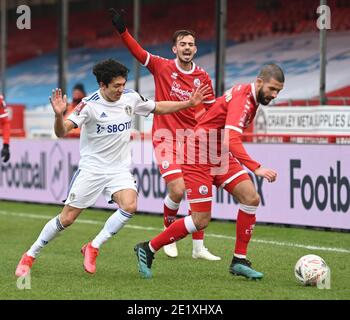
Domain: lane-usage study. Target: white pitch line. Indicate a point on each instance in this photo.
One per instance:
(219, 236)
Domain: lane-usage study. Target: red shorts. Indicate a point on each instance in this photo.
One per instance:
(199, 179)
(169, 157)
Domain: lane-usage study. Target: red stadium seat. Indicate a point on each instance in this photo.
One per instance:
(160, 19)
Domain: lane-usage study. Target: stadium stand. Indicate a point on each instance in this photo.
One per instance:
(256, 19)
(270, 30)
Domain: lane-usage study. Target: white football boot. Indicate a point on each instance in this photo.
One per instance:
(201, 252)
(171, 249)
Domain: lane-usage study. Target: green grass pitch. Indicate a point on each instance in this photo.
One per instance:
(58, 272)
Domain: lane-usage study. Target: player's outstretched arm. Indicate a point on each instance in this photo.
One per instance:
(133, 46)
(200, 94)
(269, 174)
(59, 105)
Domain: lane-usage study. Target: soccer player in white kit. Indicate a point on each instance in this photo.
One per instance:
(105, 119)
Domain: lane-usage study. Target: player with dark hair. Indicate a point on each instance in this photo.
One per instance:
(105, 156)
(174, 80)
(232, 113)
(5, 122)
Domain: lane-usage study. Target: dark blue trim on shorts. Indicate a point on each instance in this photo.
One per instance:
(71, 182)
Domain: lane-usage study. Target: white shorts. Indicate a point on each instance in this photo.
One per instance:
(85, 187)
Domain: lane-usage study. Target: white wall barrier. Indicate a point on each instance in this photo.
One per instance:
(312, 189)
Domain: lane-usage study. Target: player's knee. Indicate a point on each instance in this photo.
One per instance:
(203, 224)
(67, 219)
(201, 219)
(176, 189)
(129, 206)
(176, 193)
(249, 199)
(253, 200)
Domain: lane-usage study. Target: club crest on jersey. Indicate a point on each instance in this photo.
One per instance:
(203, 190)
(165, 165)
(128, 110)
(196, 82)
(79, 107)
(174, 75)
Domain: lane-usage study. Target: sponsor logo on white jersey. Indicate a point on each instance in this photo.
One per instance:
(113, 128)
(100, 128)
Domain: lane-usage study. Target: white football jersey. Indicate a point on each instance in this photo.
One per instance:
(106, 128)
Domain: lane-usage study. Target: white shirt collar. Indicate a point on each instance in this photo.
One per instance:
(184, 71)
(104, 101)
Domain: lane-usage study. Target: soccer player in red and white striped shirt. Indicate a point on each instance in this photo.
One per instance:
(174, 80)
(231, 114)
(5, 122)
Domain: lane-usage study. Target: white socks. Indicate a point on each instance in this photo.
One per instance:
(171, 204)
(189, 224)
(51, 229)
(198, 245)
(114, 223)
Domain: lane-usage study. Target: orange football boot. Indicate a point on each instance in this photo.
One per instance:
(24, 265)
(90, 254)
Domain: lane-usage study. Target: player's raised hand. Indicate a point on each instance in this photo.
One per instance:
(269, 174)
(117, 20)
(58, 103)
(200, 94)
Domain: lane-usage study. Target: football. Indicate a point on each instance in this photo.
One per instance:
(311, 270)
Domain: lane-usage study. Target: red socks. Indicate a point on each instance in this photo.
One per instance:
(244, 229)
(170, 211)
(176, 231)
(169, 216)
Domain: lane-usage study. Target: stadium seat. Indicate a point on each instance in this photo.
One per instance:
(253, 21)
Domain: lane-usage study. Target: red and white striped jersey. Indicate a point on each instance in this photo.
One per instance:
(175, 84)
